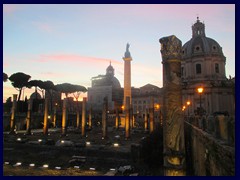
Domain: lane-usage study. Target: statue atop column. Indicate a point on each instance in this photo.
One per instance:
(127, 53)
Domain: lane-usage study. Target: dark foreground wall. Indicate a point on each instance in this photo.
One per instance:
(206, 155)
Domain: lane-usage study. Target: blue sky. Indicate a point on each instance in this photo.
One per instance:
(73, 43)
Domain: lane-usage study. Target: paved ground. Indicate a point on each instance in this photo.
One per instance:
(77, 155)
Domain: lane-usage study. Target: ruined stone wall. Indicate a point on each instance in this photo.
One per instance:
(206, 155)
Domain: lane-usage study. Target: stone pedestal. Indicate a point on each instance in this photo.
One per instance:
(173, 120)
(13, 112)
(45, 122)
(28, 119)
(84, 117)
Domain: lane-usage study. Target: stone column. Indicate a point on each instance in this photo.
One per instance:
(13, 112)
(104, 118)
(84, 117)
(28, 119)
(127, 75)
(54, 116)
(173, 121)
(127, 118)
(90, 118)
(131, 117)
(151, 115)
(117, 118)
(146, 120)
(45, 122)
(64, 117)
(78, 119)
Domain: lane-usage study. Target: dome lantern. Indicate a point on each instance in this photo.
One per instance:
(110, 70)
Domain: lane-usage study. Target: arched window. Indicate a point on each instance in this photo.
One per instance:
(216, 68)
(198, 69)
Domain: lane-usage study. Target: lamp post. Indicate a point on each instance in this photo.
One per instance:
(200, 90)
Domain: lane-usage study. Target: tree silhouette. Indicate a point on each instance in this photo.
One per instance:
(48, 86)
(35, 83)
(68, 88)
(65, 88)
(77, 91)
(19, 81)
(5, 77)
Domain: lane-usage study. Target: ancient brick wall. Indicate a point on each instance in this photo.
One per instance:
(207, 155)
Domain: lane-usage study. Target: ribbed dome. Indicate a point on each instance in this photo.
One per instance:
(115, 83)
(200, 44)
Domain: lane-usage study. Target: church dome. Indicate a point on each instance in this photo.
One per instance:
(34, 95)
(107, 80)
(199, 44)
(115, 83)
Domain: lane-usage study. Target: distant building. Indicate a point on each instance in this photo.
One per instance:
(141, 99)
(203, 65)
(105, 86)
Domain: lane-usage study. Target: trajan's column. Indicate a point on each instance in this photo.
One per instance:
(173, 122)
(127, 75)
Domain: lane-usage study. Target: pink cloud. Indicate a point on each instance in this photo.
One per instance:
(74, 58)
(51, 74)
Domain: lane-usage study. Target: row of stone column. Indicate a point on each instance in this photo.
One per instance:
(45, 122)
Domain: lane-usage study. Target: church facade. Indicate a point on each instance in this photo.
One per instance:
(203, 66)
(105, 86)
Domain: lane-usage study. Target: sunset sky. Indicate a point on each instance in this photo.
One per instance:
(73, 43)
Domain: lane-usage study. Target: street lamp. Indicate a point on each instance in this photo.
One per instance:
(200, 90)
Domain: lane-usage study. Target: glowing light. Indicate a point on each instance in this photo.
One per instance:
(188, 103)
(19, 139)
(112, 169)
(183, 108)
(62, 141)
(88, 143)
(6, 162)
(31, 165)
(58, 168)
(49, 117)
(92, 169)
(45, 166)
(39, 140)
(18, 164)
(200, 90)
(115, 144)
(76, 167)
